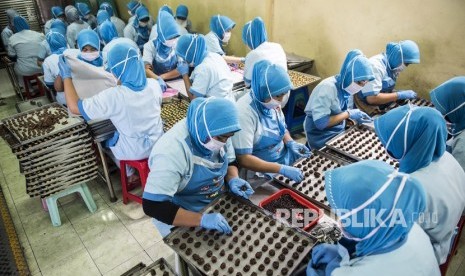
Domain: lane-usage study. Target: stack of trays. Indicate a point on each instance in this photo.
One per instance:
(173, 112)
(360, 142)
(259, 244)
(313, 185)
(101, 129)
(159, 267)
(54, 150)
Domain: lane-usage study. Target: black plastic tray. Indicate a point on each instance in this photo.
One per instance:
(159, 267)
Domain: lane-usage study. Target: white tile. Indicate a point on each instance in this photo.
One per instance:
(77, 210)
(160, 250)
(145, 232)
(30, 259)
(79, 263)
(142, 257)
(99, 222)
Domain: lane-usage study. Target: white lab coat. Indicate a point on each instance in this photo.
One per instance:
(213, 44)
(273, 52)
(72, 32)
(6, 34)
(444, 183)
(25, 45)
(119, 24)
(458, 149)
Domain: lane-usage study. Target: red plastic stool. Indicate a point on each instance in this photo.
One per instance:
(453, 250)
(142, 166)
(30, 82)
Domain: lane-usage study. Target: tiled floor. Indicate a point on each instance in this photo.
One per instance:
(108, 242)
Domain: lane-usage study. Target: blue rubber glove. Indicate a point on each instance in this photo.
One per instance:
(65, 70)
(183, 68)
(162, 84)
(299, 149)
(216, 222)
(325, 258)
(240, 187)
(292, 173)
(359, 116)
(406, 95)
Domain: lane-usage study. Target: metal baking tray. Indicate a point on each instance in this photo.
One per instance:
(33, 168)
(173, 112)
(60, 155)
(45, 191)
(259, 243)
(58, 172)
(159, 267)
(312, 186)
(56, 183)
(417, 102)
(360, 142)
(300, 79)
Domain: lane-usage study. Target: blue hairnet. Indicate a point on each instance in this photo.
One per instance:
(351, 186)
(107, 31)
(141, 13)
(355, 67)
(57, 11)
(218, 115)
(59, 25)
(11, 13)
(132, 6)
(167, 29)
(82, 8)
(220, 24)
(102, 15)
(20, 24)
(406, 51)
(126, 64)
(254, 33)
(426, 136)
(167, 9)
(192, 48)
(449, 96)
(107, 7)
(56, 40)
(182, 11)
(72, 14)
(88, 37)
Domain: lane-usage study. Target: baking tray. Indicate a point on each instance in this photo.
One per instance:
(32, 168)
(312, 186)
(417, 102)
(61, 156)
(159, 267)
(300, 79)
(61, 172)
(54, 184)
(45, 191)
(360, 142)
(173, 112)
(259, 243)
(9, 138)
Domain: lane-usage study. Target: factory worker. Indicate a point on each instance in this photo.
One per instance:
(154, 31)
(449, 99)
(57, 41)
(57, 14)
(182, 13)
(109, 37)
(119, 24)
(327, 108)
(139, 31)
(86, 15)
(219, 35)
(132, 7)
(211, 75)
(75, 26)
(192, 165)
(255, 37)
(416, 136)
(24, 46)
(388, 241)
(89, 45)
(102, 15)
(45, 51)
(8, 31)
(387, 67)
(159, 54)
(264, 144)
(133, 106)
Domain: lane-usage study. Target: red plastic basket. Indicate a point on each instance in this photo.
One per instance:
(304, 202)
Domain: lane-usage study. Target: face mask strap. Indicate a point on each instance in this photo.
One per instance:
(125, 61)
(204, 121)
(345, 73)
(249, 31)
(455, 109)
(406, 117)
(221, 24)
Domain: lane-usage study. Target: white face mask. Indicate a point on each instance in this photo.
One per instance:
(143, 24)
(212, 144)
(272, 104)
(171, 43)
(182, 23)
(130, 13)
(392, 176)
(90, 56)
(226, 37)
(353, 88)
(400, 68)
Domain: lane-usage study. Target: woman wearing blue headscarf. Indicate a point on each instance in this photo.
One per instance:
(102, 16)
(182, 13)
(24, 46)
(449, 99)
(255, 37)
(57, 41)
(211, 75)
(76, 25)
(60, 26)
(159, 54)
(89, 45)
(86, 15)
(378, 209)
(119, 24)
(57, 14)
(192, 165)
(109, 37)
(327, 108)
(264, 144)
(387, 67)
(219, 35)
(133, 106)
(416, 136)
(9, 30)
(139, 30)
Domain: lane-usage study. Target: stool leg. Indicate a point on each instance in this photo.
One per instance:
(53, 211)
(124, 182)
(88, 199)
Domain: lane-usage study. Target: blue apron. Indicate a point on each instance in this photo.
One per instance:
(205, 185)
(163, 65)
(143, 35)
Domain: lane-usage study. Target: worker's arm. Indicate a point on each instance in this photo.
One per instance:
(287, 137)
(71, 95)
(250, 162)
(337, 119)
(188, 84)
(58, 84)
(187, 218)
(149, 73)
(233, 59)
(382, 98)
(233, 172)
(170, 213)
(170, 74)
